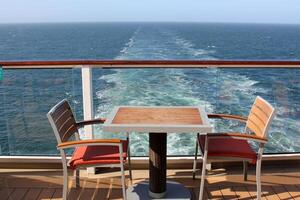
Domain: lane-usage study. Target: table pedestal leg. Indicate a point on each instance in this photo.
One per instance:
(157, 164)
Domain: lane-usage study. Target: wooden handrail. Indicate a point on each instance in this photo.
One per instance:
(92, 142)
(227, 116)
(90, 122)
(152, 64)
(242, 136)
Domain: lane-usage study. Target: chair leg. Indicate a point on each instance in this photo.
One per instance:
(258, 178)
(122, 172)
(203, 169)
(195, 161)
(123, 182)
(65, 183)
(202, 180)
(77, 179)
(129, 158)
(245, 170)
(129, 165)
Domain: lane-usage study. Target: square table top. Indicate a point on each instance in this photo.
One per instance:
(179, 119)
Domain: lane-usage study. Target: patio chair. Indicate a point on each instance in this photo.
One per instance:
(87, 153)
(235, 146)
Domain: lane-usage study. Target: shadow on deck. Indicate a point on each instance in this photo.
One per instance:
(277, 183)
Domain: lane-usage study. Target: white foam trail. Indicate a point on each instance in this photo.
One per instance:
(149, 87)
(161, 44)
(189, 48)
(175, 87)
(128, 45)
(143, 87)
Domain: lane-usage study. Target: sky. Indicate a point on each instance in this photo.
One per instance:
(236, 11)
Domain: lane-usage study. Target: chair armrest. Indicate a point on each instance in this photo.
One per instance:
(90, 122)
(77, 143)
(227, 116)
(241, 136)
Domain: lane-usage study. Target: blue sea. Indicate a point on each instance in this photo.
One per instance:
(27, 95)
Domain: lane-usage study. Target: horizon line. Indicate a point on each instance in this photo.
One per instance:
(191, 22)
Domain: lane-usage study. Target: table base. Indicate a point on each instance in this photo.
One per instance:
(175, 190)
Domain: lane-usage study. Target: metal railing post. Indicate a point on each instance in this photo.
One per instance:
(87, 99)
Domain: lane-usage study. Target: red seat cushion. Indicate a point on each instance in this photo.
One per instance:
(228, 147)
(91, 155)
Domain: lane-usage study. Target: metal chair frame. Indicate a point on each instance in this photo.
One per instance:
(65, 144)
(260, 139)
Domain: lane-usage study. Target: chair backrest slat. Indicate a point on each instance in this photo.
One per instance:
(254, 127)
(257, 114)
(62, 121)
(67, 129)
(264, 106)
(260, 117)
(59, 109)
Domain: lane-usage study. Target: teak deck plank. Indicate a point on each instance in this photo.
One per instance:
(293, 190)
(57, 194)
(46, 193)
(252, 191)
(109, 185)
(18, 193)
(103, 193)
(5, 192)
(269, 193)
(87, 193)
(32, 193)
(228, 193)
(214, 193)
(242, 192)
(281, 192)
(195, 193)
(169, 116)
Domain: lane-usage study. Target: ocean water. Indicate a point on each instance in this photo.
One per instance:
(27, 95)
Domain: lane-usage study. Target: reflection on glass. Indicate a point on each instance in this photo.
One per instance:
(26, 97)
(218, 90)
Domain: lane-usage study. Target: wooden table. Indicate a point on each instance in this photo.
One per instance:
(158, 121)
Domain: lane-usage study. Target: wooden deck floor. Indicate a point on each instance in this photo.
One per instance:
(221, 184)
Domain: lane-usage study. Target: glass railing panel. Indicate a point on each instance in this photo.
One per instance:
(26, 97)
(218, 90)
(284, 93)
(153, 87)
(239, 87)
